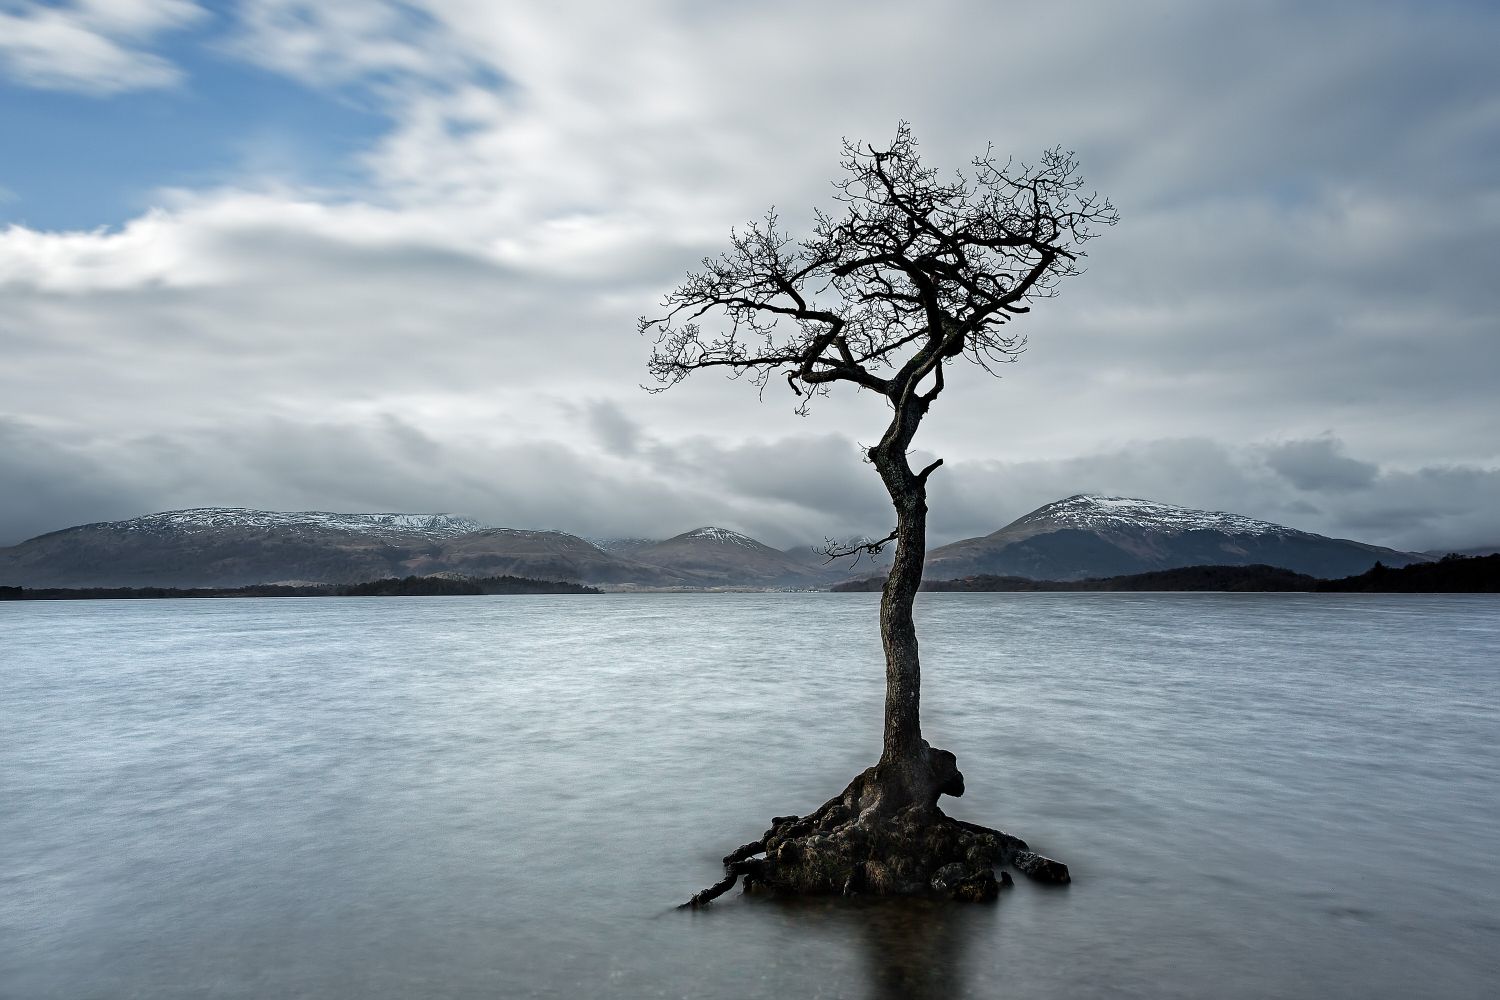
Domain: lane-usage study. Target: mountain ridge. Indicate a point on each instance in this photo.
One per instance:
(1096, 535)
(237, 546)
(728, 558)
(1081, 536)
(212, 518)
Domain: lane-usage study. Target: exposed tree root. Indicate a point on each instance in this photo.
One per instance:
(884, 835)
(741, 862)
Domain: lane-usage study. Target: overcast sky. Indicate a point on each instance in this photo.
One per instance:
(358, 256)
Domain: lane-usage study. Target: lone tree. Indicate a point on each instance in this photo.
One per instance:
(912, 272)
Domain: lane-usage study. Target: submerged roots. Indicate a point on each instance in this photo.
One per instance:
(858, 843)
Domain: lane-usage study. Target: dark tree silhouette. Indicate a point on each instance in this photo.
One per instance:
(912, 272)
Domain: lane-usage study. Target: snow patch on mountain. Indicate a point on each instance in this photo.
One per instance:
(721, 536)
(1102, 513)
(525, 532)
(619, 545)
(218, 518)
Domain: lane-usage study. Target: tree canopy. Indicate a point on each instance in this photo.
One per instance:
(914, 269)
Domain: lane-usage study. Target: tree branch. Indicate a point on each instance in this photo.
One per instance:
(835, 550)
(915, 270)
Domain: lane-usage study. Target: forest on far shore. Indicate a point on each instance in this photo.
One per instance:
(1453, 574)
(411, 586)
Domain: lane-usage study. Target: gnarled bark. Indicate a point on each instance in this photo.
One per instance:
(868, 840)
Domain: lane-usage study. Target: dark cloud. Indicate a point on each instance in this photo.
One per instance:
(1319, 464)
(46, 484)
(822, 474)
(1440, 507)
(617, 433)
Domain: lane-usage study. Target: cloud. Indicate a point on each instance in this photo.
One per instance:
(1438, 507)
(91, 46)
(51, 482)
(786, 491)
(617, 433)
(388, 464)
(1455, 506)
(334, 42)
(1318, 464)
(1302, 252)
(794, 489)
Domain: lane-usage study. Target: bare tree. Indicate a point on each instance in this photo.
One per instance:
(912, 272)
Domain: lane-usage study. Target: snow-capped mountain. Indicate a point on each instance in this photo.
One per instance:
(231, 547)
(1075, 538)
(720, 557)
(1100, 513)
(1095, 536)
(219, 518)
(720, 536)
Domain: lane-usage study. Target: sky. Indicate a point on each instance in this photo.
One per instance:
(358, 255)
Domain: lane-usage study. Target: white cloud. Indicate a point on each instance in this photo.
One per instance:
(91, 46)
(332, 42)
(227, 238)
(1303, 251)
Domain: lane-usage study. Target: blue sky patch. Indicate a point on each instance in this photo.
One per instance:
(80, 161)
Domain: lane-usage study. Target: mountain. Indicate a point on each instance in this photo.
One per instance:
(1099, 536)
(540, 555)
(720, 557)
(1072, 539)
(208, 519)
(1478, 550)
(626, 547)
(233, 547)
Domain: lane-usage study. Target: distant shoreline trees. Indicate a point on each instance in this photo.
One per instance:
(1453, 574)
(411, 586)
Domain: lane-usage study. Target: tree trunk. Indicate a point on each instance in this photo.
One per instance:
(884, 833)
(898, 631)
(910, 772)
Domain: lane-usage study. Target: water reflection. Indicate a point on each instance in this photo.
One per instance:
(906, 949)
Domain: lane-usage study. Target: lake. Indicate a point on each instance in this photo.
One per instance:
(1259, 795)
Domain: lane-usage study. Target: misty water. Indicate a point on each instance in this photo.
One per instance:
(1259, 795)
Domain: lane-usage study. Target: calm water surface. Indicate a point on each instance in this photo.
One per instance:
(1259, 795)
